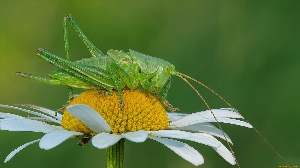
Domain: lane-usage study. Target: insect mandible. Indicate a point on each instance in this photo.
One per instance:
(118, 70)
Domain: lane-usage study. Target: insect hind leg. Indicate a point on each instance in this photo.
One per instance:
(39, 79)
(91, 47)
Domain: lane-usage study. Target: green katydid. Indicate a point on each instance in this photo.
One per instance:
(117, 70)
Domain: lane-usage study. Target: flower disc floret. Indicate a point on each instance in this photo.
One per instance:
(141, 111)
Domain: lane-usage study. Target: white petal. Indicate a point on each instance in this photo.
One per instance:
(24, 124)
(229, 113)
(90, 117)
(205, 128)
(44, 110)
(206, 116)
(50, 118)
(183, 150)
(104, 140)
(226, 154)
(171, 134)
(54, 138)
(196, 137)
(12, 154)
(226, 113)
(205, 139)
(138, 136)
(175, 116)
(235, 122)
(40, 119)
(8, 115)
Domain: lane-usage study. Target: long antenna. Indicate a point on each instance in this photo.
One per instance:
(219, 125)
(183, 76)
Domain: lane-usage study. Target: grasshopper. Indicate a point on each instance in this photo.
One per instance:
(118, 70)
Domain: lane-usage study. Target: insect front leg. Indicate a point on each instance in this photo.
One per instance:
(146, 84)
(91, 47)
(164, 94)
(149, 87)
(152, 83)
(165, 89)
(116, 70)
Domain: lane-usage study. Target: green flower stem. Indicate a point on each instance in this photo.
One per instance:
(115, 155)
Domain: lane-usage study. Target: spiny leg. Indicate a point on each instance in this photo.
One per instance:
(116, 78)
(164, 94)
(91, 47)
(39, 79)
(93, 50)
(150, 88)
(165, 89)
(96, 77)
(121, 103)
(66, 40)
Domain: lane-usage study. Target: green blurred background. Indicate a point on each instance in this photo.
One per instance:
(249, 52)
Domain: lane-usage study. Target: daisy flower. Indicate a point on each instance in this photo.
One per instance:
(98, 118)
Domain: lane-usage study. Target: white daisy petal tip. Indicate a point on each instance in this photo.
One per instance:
(248, 125)
(138, 136)
(17, 150)
(104, 140)
(54, 138)
(226, 154)
(183, 150)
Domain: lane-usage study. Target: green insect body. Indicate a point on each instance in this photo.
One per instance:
(116, 70)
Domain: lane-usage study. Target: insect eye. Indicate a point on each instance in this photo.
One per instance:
(167, 69)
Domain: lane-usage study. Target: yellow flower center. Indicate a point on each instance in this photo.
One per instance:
(141, 111)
